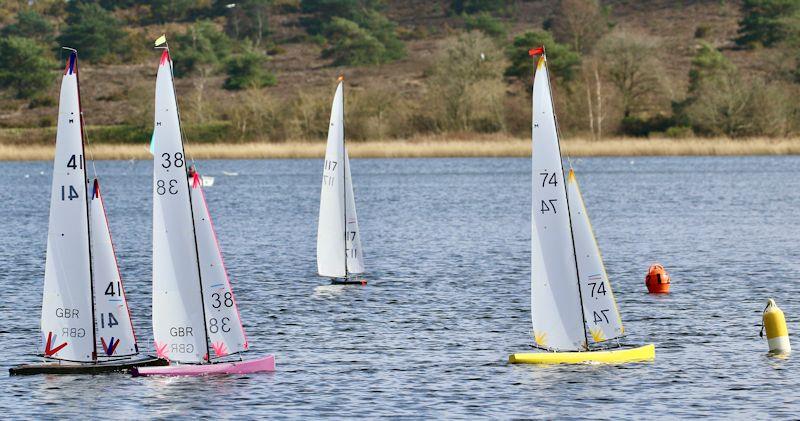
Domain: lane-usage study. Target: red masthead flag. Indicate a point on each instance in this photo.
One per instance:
(536, 51)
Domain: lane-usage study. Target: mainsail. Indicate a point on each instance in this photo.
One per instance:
(555, 297)
(113, 320)
(599, 306)
(331, 244)
(222, 315)
(178, 311)
(67, 314)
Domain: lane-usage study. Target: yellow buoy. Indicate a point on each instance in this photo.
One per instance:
(774, 323)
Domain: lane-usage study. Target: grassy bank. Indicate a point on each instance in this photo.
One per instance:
(433, 148)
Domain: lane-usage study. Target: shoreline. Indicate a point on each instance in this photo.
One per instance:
(490, 147)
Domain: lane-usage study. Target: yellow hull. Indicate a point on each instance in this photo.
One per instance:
(642, 353)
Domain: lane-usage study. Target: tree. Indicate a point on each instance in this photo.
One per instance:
(200, 50)
(562, 59)
(579, 23)
(720, 102)
(321, 12)
(248, 20)
(708, 64)
(93, 31)
(357, 31)
(246, 70)
(485, 23)
(25, 68)
(475, 6)
(352, 44)
(177, 10)
(30, 24)
(464, 86)
(631, 64)
(769, 22)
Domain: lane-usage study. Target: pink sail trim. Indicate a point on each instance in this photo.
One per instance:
(164, 58)
(263, 364)
(196, 184)
(162, 351)
(220, 350)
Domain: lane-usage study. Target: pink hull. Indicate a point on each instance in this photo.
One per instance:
(239, 367)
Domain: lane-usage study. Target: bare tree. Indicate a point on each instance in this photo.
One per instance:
(632, 66)
(579, 23)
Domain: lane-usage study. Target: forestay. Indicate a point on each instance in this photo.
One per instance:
(114, 327)
(555, 301)
(66, 325)
(599, 306)
(331, 244)
(178, 323)
(222, 314)
(355, 255)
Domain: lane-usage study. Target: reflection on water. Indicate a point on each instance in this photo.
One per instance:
(447, 244)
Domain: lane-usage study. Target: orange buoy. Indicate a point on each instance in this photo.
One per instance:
(657, 280)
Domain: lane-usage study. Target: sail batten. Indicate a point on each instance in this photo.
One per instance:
(555, 297)
(179, 326)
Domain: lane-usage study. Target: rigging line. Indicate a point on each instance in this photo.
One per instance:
(569, 215)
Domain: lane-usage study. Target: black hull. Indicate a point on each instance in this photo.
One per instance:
(361, 282)
(123, 366)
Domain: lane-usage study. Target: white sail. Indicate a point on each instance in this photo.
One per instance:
(178, 322)
(330, 232)
(66, 326)
(355, 254)
(599, 306)
(556, 306)
(223, 323)
(114, 327)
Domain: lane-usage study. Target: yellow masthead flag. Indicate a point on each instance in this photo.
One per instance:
(161, 40)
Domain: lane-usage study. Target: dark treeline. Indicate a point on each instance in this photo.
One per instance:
(610, 80)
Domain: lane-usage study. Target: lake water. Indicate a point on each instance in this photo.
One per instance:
(447, 248)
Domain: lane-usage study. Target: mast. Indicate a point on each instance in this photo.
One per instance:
(191, 209)
(571, 233)
(74, 65)
(344, 181)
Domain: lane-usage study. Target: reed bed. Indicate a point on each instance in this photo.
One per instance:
(432, 148)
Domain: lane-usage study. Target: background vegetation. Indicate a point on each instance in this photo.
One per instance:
(264, 70)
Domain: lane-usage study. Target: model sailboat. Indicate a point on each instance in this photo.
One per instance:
(194, 309)
(339, 253)
(86, 324)
(570, 291)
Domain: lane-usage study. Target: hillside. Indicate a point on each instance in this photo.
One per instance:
(387, 100)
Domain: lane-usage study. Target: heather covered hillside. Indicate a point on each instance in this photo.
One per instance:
(264, 70)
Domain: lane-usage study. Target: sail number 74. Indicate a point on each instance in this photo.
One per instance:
(549, 178)
(549, 207)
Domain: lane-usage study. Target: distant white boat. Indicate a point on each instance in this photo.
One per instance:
(232, 174)
(339, 252)
(207, 181)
